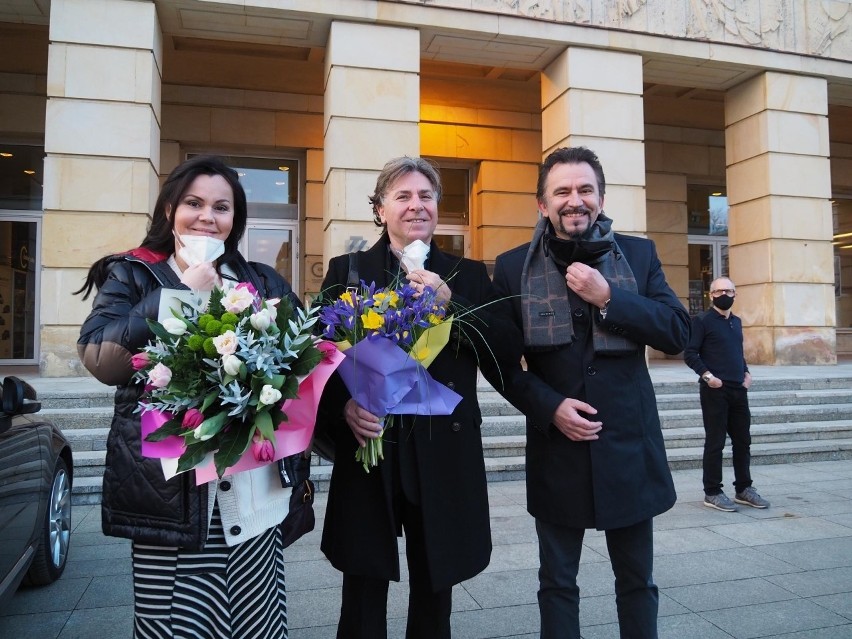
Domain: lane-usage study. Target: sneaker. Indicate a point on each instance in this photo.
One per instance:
(720, 502)
(749, 497)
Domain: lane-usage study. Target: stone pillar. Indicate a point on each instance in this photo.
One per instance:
(779, 225)
(102, 146)
(593, 98)
(372, 111)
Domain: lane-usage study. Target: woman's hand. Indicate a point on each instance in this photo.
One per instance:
(363, 424)
(421, 278)
(201, 277)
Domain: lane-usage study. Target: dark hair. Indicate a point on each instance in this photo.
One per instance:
(570, 155)
(395, 169)
(159, 238)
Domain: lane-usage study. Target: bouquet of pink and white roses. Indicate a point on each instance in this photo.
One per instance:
(232, 386)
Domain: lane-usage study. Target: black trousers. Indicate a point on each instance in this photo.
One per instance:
(631, 552)
(363, 613)
(726, 412)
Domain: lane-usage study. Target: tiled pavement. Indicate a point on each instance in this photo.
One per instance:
(781, 572)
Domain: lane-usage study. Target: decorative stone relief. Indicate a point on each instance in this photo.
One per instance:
(812, 27)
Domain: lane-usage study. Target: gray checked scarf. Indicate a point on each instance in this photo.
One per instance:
(545, 305)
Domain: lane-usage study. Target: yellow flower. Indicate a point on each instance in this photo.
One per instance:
(434, 320)
(372, 320)
(391, 297)
(347, 297)
(420, 353)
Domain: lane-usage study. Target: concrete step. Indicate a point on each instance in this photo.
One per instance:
(764, 414)
(83, 439)
(72, 418)
(764, 398)
(772, 453)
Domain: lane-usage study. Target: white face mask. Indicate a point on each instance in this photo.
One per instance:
(198, 249)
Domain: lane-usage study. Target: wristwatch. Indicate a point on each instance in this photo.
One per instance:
(604, 309)
(706, 376)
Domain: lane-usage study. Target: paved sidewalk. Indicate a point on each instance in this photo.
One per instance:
(781, 572)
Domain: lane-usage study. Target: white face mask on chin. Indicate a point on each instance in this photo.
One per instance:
(198, 249)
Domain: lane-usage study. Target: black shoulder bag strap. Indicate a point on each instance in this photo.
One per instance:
(353, 282)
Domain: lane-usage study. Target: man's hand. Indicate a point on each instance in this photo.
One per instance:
(363, 424)
(588, 283)
(747, 380)
(421, 278)
(573, 425)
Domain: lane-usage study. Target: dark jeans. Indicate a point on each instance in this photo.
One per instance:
(363, 613)
(631, 552)
(726, 412)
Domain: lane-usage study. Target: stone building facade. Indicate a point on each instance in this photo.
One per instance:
(724, 127)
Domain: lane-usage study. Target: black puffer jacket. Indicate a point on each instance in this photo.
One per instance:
(138, 502)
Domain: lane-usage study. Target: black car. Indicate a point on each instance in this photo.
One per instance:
(35, 492)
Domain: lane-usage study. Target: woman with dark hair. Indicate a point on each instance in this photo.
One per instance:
(207, 560)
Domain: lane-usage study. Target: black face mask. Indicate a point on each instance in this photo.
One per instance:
(565, 252)
(723, 302)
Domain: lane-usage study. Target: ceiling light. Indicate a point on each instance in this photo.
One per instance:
(716, 194)
(29, 171)
(283, 168)
(5, 155)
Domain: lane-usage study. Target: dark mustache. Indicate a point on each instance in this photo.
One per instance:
(578, 209)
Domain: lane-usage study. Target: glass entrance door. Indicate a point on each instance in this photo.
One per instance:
(273, 242)
(19, 257)
(708, 259)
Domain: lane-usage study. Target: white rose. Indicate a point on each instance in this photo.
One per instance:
(271, 305)
(231, 364)
(261, 320)
(237, 300)
(269, 395)
(174, 326)
(226, 343)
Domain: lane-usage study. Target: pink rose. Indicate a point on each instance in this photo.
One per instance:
(262, 448)
(160, 376)
(326, 348)
(192, 418)
(140, 361)
(249, 286)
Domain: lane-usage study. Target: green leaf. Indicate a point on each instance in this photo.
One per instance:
(290, 389)
(232, 444)
(263, 422)
(211, 425)
(194, 455)
(171, 427)
(209, 399)
(277, 415)
(307, 362)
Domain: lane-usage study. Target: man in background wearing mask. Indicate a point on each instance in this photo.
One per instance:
(715, 353)
(588, 300)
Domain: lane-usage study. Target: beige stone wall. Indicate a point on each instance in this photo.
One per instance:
(800, 26)
(102, 145)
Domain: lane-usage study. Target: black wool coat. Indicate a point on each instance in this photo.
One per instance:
(623, 477)
(444, 456)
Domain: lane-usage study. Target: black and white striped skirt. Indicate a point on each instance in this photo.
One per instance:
(216, 593)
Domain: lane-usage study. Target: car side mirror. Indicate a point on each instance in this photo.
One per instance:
(19, 397)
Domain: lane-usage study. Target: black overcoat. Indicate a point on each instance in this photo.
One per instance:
(623, 477)
(359, 534)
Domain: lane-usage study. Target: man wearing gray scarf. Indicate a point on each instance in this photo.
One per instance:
(588, 301)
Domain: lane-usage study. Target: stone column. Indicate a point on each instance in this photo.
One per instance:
(372, 112)
(102, 146)
(779, 225)
(593, 98)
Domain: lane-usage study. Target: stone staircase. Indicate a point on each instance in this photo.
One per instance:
(796, 418)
